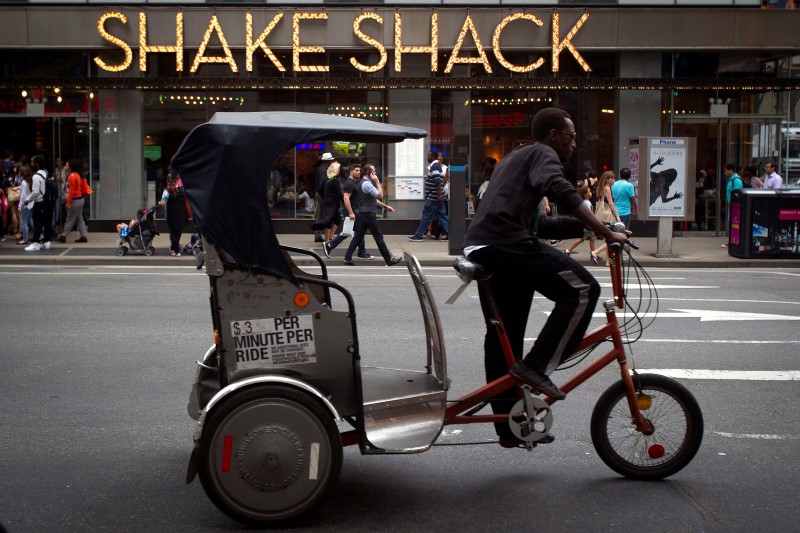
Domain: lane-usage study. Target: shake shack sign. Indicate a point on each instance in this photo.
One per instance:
(234, 38)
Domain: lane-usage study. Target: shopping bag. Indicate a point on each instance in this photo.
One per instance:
(347, 227)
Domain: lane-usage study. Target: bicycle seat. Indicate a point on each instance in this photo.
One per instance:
(470, 271)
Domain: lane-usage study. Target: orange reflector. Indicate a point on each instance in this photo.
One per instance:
(644, 402)
(301, 299)
(216, 337)
(656, 451)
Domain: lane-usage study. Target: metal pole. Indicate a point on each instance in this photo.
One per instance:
(672, 97)
(718, 185)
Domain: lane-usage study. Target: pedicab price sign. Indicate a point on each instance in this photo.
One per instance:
(274, 342)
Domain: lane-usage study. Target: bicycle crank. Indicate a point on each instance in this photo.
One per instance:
(530, 419)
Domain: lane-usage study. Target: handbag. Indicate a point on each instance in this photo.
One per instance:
(12, 193)
(603, 211)
(347, 227)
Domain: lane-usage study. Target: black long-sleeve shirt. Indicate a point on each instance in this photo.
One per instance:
(519, 182)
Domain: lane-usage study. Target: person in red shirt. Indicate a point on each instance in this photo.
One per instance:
(74, 202)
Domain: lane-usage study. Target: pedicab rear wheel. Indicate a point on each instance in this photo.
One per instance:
(677, 428)
(149, 251)
(269, 454)
(122, 250)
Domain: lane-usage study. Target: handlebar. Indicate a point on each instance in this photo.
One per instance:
(615, 260)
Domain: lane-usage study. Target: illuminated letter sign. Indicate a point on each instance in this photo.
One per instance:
(213, 26)
(144, 48)
(496, 43)
(567, 42)
(399, 49)
(468, 26)
(260, 42)
(297, 49)
(101, 23)
(369, 40)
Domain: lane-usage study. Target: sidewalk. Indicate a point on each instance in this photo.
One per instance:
(700, 251)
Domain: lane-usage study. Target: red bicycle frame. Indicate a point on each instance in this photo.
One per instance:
(457, 408)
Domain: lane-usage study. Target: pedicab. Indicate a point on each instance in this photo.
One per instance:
(285, 386)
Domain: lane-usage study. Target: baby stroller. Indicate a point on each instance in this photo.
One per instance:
(140, 237)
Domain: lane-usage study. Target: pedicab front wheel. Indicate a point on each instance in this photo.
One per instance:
(677, 428)
(268, 454)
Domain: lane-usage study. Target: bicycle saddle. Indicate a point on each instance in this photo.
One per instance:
(468, 271)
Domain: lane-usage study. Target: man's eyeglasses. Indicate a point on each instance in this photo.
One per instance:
(571, 134)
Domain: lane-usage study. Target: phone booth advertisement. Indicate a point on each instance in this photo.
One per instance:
(664, 166)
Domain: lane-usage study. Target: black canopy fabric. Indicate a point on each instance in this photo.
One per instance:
(225, 164)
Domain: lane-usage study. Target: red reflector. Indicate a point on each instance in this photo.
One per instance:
(227, 448)
(656, 451)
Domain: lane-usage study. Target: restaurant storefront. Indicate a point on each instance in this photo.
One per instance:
(124, 85)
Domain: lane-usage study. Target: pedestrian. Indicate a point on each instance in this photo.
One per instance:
(25, 211)
(750, 175)
(434, 201)
(604, 209)
(60, 209)
(501, 238)
(174, 199)
(733, 183)
(370, 193)
(329, 218)
(588, 235)
(624, 195)
(74, 193)
(772, 179)
(352, 204)
(42, 230)
(11, 186)
(320, 177)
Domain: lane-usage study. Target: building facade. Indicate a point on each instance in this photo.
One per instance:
(119, 86)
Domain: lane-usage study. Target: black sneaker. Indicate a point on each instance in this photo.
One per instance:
(415, 238)
(366, 257)
(537, 381)
(393, 261)
(348, 262)
(82, 239)
(327, 249)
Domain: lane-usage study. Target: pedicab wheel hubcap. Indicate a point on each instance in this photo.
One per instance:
(270, 458)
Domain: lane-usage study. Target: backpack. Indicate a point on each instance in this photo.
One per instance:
(51, 192)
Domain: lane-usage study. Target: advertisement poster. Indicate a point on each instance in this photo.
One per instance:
(409, 188)
(736, 221)
(633, 166)
(667, 185)
(409, 158)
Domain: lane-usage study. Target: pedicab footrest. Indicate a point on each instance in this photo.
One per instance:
(403, 409)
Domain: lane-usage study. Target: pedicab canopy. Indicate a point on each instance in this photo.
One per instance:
(225, 165)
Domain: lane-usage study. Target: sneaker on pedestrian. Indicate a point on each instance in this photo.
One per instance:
(34, 247)
(348, 262)
(82, 239)
(555, 241)
(326, 247)
(47, 245)
(444, 237)
(366, 257)
(393, 261)
(318, 237)
(536, 380)
(415, 238)
(62, 239)
(725, 245)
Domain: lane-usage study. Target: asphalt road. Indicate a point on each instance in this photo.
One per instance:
(97, 364)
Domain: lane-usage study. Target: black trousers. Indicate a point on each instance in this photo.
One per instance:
(519, 270)
(42, 221)
(367, 222)
(175, 239)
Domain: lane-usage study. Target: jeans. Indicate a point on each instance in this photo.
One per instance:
(367, 222)
(520, 269)
(27, 222)
(626, 219)
(433, 209)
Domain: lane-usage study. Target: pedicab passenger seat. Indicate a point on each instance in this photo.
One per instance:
(404, 410)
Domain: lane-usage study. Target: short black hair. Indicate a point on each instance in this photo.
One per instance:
(75, 165)
(625, 173)
(38, 160)
(550, 118)
(730, 166)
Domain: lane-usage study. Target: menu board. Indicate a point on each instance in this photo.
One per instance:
(409, 158)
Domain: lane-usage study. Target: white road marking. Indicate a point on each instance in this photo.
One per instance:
(705, 315)
(762, 436)
(739, 375)
(796, 302)
(634, 286)
(715, 341)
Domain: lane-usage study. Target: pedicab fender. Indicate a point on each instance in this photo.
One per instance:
(243, 384)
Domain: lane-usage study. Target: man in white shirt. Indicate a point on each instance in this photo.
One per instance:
(773, 180)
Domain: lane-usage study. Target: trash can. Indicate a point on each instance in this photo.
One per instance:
(764, 223)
